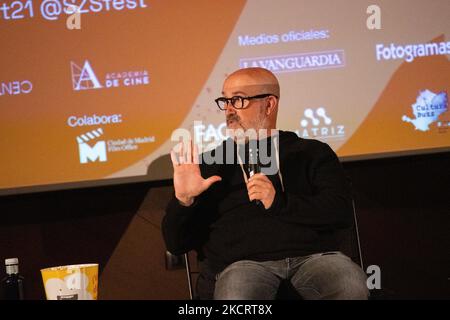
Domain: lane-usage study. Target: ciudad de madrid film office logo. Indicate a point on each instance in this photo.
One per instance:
(91, 153)
(92, 149)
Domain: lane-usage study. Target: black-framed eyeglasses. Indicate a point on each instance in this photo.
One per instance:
(238, 102)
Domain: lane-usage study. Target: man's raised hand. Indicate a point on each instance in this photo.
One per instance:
(187, 179)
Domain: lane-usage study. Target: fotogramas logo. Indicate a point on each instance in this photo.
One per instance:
(84, 77)
(427, 109)
(88, 152)
(317, 124)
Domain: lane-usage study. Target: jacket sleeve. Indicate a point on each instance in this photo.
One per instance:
(184, 228)
(329, 205)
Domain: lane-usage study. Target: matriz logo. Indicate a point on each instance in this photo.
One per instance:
(317, 124)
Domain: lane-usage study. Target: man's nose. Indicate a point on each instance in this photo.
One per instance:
(229, 109)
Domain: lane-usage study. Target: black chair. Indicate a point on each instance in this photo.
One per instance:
(189, 274)
(351, 243)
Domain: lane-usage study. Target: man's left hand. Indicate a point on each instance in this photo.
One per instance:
(261, 188)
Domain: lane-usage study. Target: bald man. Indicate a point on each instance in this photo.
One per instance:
(253, 226)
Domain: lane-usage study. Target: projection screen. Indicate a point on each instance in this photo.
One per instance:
(92, 90)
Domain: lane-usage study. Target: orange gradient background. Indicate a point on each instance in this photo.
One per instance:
(187, 49)
(177, 42)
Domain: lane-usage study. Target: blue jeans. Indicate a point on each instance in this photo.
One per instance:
(329, 275)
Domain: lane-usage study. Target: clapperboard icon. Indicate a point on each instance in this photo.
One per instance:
(91, 153)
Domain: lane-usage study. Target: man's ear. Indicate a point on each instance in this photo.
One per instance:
(271, 105)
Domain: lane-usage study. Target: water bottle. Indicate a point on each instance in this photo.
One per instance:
(12, 284)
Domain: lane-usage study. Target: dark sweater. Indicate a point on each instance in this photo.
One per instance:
(226, 227)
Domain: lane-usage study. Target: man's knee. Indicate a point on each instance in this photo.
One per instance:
(352, 285)
(245, 280)
(349, 282)
(331, 276)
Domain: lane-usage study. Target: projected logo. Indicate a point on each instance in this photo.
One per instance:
(427, 109)
(297, 62)
(209, 136)
(411, 51)
(15, 87)
(84, 78)
(317, 124)
(98, 152)
(88, 153)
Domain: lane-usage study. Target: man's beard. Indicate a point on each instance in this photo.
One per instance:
(257, 124)
(239, 132)
(233, 117)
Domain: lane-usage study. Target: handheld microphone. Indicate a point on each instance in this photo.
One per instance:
(253, 168)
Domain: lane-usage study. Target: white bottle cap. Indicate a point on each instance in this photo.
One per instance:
(12, 265)
(11, 261)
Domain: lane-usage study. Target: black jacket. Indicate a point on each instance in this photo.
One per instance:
(226, 227)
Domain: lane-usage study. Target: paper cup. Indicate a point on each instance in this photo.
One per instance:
(73, 282)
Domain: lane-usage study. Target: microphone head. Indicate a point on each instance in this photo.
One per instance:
(253, 163)
(253, 168)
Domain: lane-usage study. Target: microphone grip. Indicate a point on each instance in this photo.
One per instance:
(253, 168)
